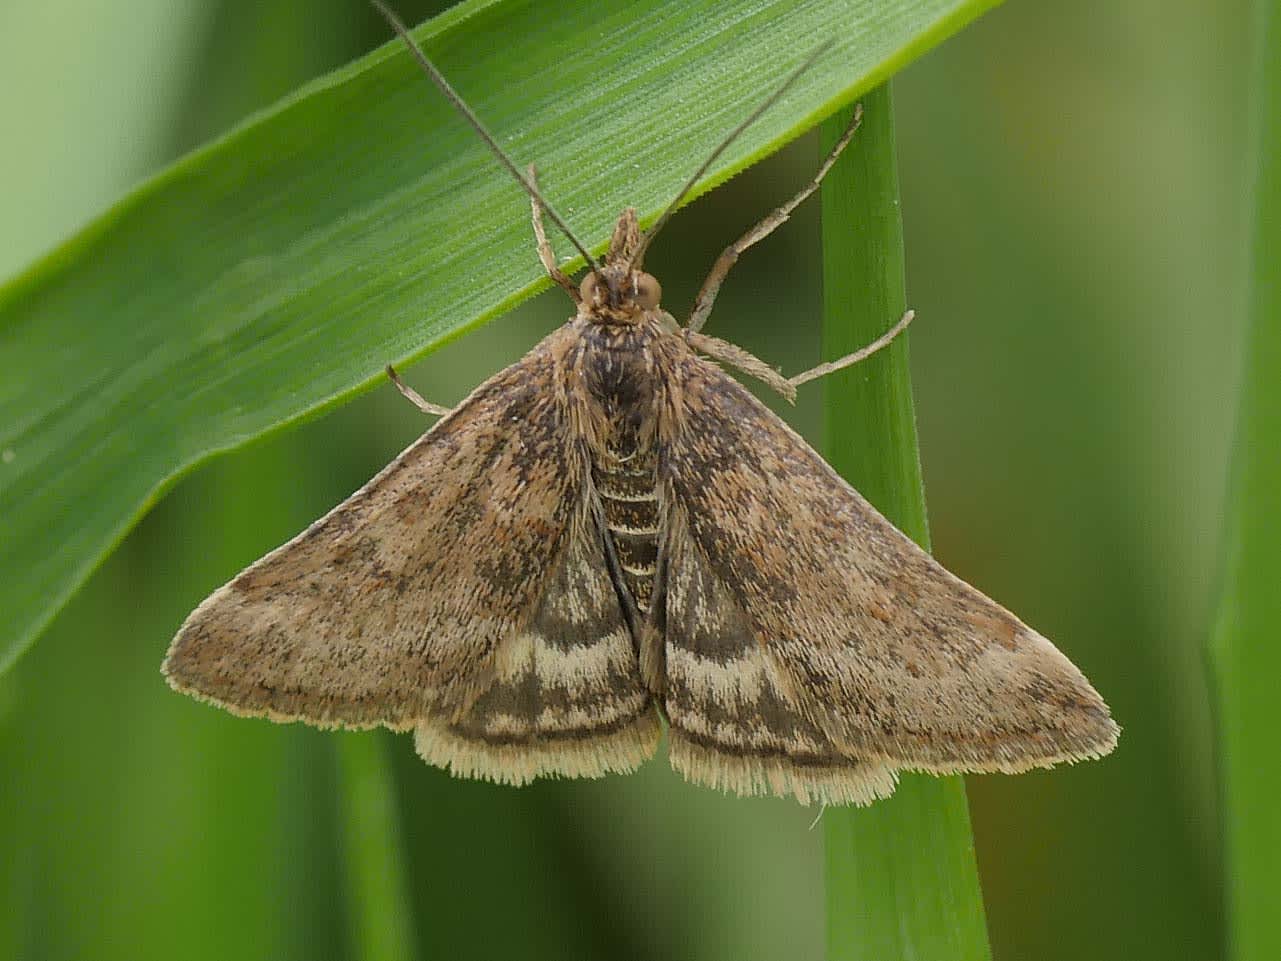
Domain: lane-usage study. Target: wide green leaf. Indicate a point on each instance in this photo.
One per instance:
(274, 272)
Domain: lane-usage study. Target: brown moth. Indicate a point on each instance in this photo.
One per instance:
(613, 531)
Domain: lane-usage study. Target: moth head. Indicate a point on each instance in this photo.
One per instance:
(617, 293)
(620, 291)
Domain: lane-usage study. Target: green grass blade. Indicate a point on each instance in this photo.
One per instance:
(1246, 652)
(377, 886)
(274, 272)
(901, 876)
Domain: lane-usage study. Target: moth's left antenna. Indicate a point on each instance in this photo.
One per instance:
(452, 96)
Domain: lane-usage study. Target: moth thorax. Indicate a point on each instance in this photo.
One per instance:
(627, 485)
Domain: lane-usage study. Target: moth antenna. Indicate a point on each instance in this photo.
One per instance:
(768, 102)
(460, 105)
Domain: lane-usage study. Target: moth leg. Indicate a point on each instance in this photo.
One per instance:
(415, 398)
(707, 293)
(545, 252)
(739, 359)
(822, 370)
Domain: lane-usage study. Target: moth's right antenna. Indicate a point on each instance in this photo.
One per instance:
(452, 96)
(772, 99)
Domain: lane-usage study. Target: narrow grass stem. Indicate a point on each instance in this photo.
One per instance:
(377, 896)
(1245, 653)
(901, 875)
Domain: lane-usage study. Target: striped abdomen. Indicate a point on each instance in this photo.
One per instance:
(628, 494)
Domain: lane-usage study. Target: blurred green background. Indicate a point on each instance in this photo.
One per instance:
(1072, 182)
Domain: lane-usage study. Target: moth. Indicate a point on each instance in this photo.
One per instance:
(613, 532)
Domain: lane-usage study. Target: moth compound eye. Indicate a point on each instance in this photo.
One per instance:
(589, 288)
(646, 292)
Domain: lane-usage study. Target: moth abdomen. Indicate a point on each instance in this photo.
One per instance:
(629, 501)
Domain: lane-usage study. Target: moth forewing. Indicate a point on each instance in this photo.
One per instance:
(889, 655)
(316, 629)
(433, 598)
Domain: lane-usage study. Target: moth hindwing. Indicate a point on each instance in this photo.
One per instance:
(613, 530)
